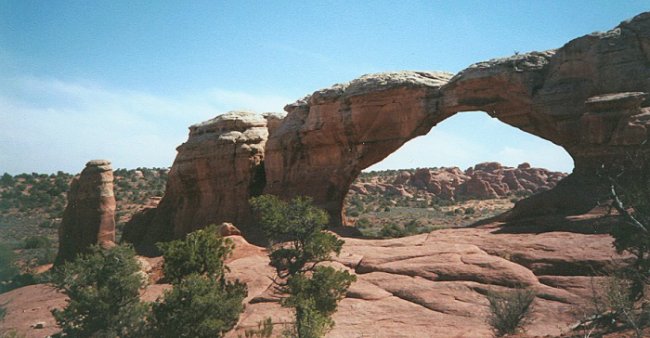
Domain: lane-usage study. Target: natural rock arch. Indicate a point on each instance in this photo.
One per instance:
(588, 97)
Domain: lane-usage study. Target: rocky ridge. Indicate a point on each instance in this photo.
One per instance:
(483, 181)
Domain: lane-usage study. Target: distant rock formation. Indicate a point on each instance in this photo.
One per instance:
(89, 217)
(483, 181)
(587, 96)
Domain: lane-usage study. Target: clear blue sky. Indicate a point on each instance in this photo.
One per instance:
(123, 79)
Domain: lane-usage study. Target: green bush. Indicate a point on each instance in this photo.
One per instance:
(37, 242)
(198, 306)
(8, 267)
(264, 329)
(508, 310)
(103, 290)
(202, 252)
(392, 230)
(202, 303)
(296, 229)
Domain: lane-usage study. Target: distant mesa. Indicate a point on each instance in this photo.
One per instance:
(589, 96)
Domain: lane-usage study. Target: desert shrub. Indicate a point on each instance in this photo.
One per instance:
(508, 310)
(45, 256)
(103, 290)
(391, 230)
(202, 302)
(264, 329)
(10, 275)
(362, 223)
(37, 242)
(198, 306)
(7, 263)
(201, 252)
(298, 244)
(315, 299)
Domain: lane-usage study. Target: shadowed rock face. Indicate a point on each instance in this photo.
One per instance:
(89, 217)
(587, 96)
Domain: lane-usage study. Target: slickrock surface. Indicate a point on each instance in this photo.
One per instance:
(434, 285)
(89, 216)
(431, 285)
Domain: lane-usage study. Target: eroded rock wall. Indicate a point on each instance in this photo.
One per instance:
(89, 216)
(214, 174)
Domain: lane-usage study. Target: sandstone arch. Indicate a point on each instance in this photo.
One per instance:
(587, 96)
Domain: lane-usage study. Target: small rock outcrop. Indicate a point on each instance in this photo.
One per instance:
(89, 217)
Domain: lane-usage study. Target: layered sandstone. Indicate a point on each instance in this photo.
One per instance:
(214, 174)
(587, 96)
(89, 216)
(328, 137)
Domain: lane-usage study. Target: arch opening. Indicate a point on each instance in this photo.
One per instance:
(467, 168)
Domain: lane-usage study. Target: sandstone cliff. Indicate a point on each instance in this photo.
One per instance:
(89, 217)
(215, 173)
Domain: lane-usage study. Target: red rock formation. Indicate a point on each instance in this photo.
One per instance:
(89, 217)
(329, 137)
(483, 181)
(587, 96)
(214, 174)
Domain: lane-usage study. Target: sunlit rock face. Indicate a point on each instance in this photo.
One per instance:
(89, 217)
(214, 174)
(587, 96)
(328, 137)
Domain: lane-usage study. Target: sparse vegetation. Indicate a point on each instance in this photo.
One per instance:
(103, 289)
(198, 306)
(264, 329)
(37, 242)
(509, 310)
(202, 252)
(298, 245)
(31, 205)
(202, 302)
(379, 213)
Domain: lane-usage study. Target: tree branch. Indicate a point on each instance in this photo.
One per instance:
(618, 205)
